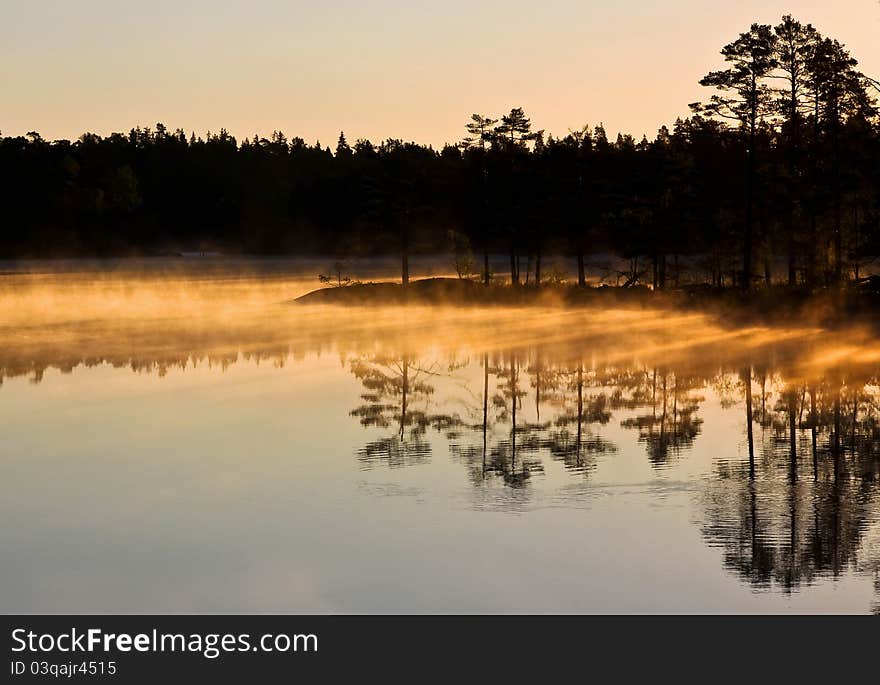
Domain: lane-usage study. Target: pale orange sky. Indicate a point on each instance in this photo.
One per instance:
(407, 69)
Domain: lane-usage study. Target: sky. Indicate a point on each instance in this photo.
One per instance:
(377, 68)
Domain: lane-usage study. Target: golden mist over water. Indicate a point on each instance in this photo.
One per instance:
(150, 322)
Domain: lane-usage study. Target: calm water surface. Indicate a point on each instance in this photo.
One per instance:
(193, 441)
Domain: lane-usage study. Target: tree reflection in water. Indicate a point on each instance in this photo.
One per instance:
(794, 508)
(801, 506)
(397, 395)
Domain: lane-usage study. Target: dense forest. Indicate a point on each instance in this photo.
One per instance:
(775, 175)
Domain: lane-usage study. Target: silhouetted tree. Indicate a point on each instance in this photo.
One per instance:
(747, 100)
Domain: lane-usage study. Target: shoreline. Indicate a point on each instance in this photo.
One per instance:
(773, 305)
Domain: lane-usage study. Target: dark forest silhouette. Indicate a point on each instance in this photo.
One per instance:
(780, 165)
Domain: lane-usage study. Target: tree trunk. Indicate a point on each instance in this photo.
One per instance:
(838, 243)
(404, 256)
(838, 232)
(750, 180)
(514, 275)
(857, 252)
(486, 220)
(661, 276)
(538, 267)
(810, 266)
(793, 145)
(582, 277)
(654, 281)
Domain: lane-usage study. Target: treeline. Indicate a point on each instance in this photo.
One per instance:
(780, 166)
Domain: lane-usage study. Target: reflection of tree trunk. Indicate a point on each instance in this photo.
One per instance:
(653, 404)
(763, 397)
(793, 538)
(748, 384)
(801, 405)
(793, 475)
(404, 391)
(538, 389)
(855, 419)
(485, 405)
(813, 419)
(513, 416)
(663, 414)
(538, 267)
(753, 509)
(654, 392)
(675, 409)
(835, 527)
(835, 448)
(792, 436)
(580, 410)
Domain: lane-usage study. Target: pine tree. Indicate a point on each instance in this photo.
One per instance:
(342, 148)
(747, 100)
(479, 130)
(516, 129)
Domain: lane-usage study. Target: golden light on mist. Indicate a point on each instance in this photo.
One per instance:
(152, 323)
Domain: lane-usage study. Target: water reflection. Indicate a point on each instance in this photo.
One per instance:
(801, 505)
(774, 431)
(797, 508)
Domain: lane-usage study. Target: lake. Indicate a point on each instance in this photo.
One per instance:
(180, 436)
